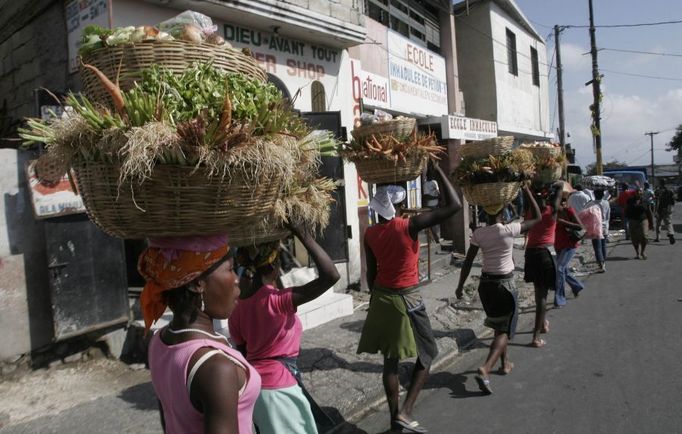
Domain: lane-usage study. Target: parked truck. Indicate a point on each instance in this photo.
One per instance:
(634, 176)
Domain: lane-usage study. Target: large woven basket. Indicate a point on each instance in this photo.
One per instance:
(394, 127)
(256, 234)
(174, 201)
(174, 55)
(485, 148)
(543, 152)
(548, 175)
(381, 171)
(492, 196)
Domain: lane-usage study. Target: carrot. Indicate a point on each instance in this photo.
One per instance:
(110, 87)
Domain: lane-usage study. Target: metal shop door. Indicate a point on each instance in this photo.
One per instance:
(334, 237)
(87, 276)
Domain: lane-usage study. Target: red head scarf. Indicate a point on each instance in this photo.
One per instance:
(170, 263)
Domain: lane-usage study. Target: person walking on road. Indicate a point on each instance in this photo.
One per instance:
(641, 222)
(578, 199)
(599, 244)
(539, 267)
(622, 200)
(496, 288)
(202, 384)
(266, 329)
(664, 210)
(565, 246)
(397, 324)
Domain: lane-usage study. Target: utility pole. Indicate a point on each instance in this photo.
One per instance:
(560, 89)
(596, 93)
(651, 134)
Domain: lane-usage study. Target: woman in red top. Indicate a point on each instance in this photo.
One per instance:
(539, 266)
(565, 247)
(396, 323)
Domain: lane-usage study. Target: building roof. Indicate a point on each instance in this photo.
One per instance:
(509, 6)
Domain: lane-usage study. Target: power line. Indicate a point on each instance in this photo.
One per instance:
(630, 74)
(620, 50)
(614, 26)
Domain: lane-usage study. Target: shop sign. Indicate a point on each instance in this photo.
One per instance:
(79, 14)
(52, 200)
(417, 78)
(370, 89)
(295, 62)
(459, 127)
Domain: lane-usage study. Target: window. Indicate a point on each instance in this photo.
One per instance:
(414, 19)
(536, 69)
(319, 99)
(377, 13)
(512, 62)
(400, 26)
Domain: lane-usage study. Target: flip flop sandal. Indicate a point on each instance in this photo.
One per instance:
(484, 385)
(408, 427)
(545, 327)
(538, 344)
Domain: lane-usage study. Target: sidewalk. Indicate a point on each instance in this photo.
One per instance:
(119, 398)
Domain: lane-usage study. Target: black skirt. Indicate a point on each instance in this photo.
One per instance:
(539, 268)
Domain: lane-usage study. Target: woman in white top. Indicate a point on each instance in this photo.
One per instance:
(496, 288)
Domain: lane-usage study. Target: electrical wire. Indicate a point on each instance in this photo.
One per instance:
(620, 50)
(615, 26)
(630, 74)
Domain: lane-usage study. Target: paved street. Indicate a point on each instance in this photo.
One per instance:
(610, 366)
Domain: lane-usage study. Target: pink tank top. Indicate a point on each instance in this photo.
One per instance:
(169, 369)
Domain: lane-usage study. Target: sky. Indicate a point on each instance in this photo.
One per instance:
(631, 105)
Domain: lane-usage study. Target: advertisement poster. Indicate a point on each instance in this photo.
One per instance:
(52, 199)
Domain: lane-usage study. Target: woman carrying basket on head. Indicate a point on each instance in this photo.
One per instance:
(267, 330)
(496, 288)
(397, 324)
(203, 385)
(539, 267)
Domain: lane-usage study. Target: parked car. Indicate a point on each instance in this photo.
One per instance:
(634, 178)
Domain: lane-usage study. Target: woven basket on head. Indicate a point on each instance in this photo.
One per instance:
(256, 234)
(492, 196)
(543, 152)
(174, 201)
(394, 127)
(127, 62)
(548, 175)
(485, 148)
(381, 171)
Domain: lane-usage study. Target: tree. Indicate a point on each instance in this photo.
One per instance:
(591, 169)
(676, 142)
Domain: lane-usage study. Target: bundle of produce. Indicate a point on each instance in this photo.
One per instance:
(307, 198)
(484, 148)
(176, 44)
(389, 158)
(494, 181)
(549, 161)
(201, 152)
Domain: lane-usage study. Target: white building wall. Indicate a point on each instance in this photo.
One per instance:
(522, 107)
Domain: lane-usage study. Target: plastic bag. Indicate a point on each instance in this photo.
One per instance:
(591, 220)
(382, 116)
(176, 25)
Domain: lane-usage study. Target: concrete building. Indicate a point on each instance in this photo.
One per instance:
(503, 68)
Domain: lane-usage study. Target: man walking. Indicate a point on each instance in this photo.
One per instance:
(664, 210)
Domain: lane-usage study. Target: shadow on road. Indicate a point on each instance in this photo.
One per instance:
(141, 396)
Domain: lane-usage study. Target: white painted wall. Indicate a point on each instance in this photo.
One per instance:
(490, 91)
(521, 106)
